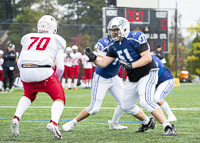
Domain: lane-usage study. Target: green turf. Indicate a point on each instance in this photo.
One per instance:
(185, 96)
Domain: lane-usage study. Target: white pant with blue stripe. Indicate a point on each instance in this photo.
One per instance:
(163, 90)
(142, 90)
(100, 86)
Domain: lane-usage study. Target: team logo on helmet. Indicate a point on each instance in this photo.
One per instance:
(122, 22)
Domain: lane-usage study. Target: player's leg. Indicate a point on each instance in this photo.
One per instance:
(90, 78)
(76, 71)
(5, 76)
(146, 88)
(86, 77)
(69, 79)
(161, 92)
(23, 104)
(56, 92)
(129, 105)
(64, 76)
(99, 88)
(11, 77)
(120, 73)
(117, 91)
(1, 79)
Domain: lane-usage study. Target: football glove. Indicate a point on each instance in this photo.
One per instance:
(125, 64)
(92, 57)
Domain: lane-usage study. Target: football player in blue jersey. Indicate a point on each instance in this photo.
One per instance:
(132, 50)
(164, 86)
(104, 79)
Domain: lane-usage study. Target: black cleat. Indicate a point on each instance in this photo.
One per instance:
(150, 125)
(170, 131)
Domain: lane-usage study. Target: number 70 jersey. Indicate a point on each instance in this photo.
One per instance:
(41, 48)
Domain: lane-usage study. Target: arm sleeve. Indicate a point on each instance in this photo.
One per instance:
(59, 63)
(142, 48)
(109, 54)
(4, 56)
(12, 57)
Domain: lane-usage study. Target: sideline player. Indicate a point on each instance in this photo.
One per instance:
(164, 86)
(1, 70)
(36, 72)
(68, 72)
(87, 66)
(104, 79)
(131, 48)
(120, 74)
(76, 56)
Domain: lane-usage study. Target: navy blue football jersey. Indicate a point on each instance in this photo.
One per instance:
(164, 73)
(112, 69)
(129, 49)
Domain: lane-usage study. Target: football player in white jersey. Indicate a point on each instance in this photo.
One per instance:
(1, 69)
(68, 72)
(87, 66)
(35, 65)
(76, 56)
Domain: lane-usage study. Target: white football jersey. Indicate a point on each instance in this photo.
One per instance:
(68, 60)
(1, 63)
(76, 57)
(86, 65)
(41, 48)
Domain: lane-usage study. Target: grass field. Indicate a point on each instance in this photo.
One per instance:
(184, 100)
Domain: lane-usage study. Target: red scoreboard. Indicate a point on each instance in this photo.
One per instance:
(150, 21)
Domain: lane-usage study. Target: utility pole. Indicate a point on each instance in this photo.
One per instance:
(176, 48)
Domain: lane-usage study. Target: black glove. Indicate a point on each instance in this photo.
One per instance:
(92, 57)
(125, 64)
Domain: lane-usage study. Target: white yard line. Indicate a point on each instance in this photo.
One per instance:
(48, 107)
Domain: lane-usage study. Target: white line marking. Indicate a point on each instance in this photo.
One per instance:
(48, 107)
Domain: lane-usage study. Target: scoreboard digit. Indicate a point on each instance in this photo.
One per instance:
(150, 21)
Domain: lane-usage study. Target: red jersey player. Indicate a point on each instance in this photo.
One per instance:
(68, 72)
(35, 65)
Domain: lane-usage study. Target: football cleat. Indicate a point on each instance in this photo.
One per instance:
(170, 131)
(14, 130)
(172, 118)
(75, 88)
(68, 126)
(150, 125)
(55, 131)
(116, 126)
(67, 88)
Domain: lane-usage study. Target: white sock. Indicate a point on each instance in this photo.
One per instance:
(69, 82)
(75, 82)
(1, 83)
(74, 120)
(165, 124)
(165, 107)
(22, 106)
(56, 110)
(90, 84)
(63, 82)
(146, 121)
(86, 85)
(117, 114)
